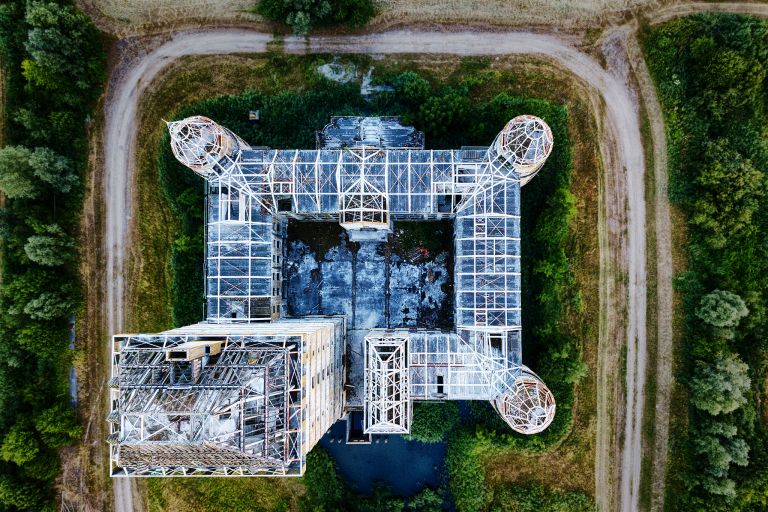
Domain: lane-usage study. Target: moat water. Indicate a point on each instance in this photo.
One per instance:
(404, 466)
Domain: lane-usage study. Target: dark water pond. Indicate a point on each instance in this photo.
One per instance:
(404, 466)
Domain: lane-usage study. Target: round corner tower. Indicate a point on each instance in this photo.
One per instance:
(200, 143)
(528, 406)
(524, 143)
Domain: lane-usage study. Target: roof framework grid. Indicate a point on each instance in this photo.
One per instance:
(240, 258)
(198, 402)
(363, 190)
(387, 404)
(443, 366)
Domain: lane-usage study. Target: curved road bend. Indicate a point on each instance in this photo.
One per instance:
(622, 192)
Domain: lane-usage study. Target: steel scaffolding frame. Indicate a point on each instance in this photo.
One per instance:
(224, 400)
(238, 406)
(446, 366)
(362, 191)
(387, 405)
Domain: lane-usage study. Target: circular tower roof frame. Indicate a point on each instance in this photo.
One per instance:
(528, 407)
(525, 143)
(198, 142)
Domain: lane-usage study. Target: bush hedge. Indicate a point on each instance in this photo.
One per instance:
(433, 421)
(304, 15)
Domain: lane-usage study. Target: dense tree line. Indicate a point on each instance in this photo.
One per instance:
(710, 71)
(53, 66)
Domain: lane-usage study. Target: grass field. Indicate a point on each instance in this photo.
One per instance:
(212, 494)
(571, 464)
(133, 16)
(563, 13)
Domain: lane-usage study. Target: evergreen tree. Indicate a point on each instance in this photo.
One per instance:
(52, 248)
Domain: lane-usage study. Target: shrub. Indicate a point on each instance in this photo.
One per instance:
(465, 472)
(303, 15)
(433, 421)
(325, 490)
(537, 498)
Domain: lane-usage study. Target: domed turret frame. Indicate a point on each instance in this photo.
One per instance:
(200, 143)
(525, 143)
(529, 406)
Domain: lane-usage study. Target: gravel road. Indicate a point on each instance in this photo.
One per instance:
(622, 230)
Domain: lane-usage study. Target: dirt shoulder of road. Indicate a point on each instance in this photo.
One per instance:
(84, 483)
(663, 376)
(679, 10)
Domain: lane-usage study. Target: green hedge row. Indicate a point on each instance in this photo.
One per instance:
(53, 64)
(710, 72)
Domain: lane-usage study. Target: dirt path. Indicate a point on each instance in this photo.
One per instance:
(615, 51)
(622, 200)
(664, 272)
(664, 379)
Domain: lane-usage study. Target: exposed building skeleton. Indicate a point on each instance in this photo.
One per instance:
(250, 392)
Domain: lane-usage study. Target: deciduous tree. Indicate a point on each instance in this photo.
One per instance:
(17, 178)
(722, 308)
(20, 445)
(49, 306)
(720, 387)
(53, 169)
